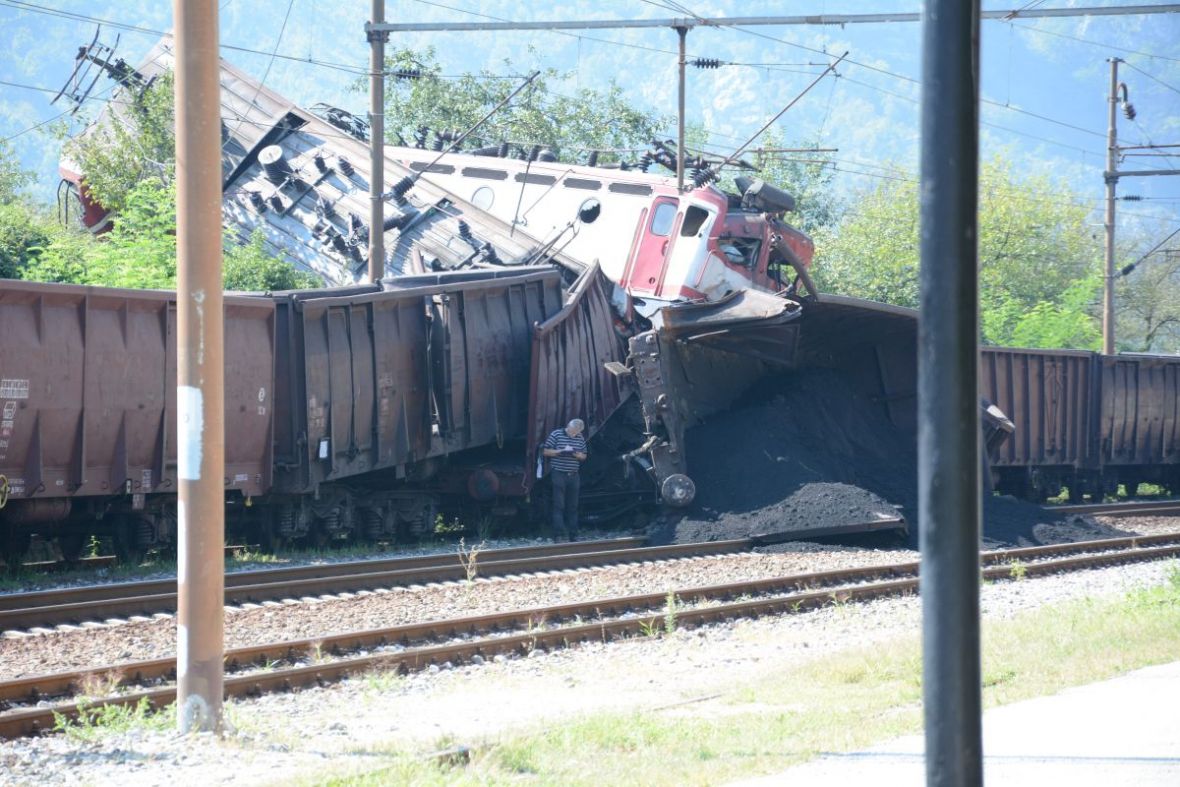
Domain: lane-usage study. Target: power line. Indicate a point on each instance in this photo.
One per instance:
(1031, 29)
(1173, 88)
(271, 62)
(28, 87)
(982, 122)
(56, 12)
(1126, 270)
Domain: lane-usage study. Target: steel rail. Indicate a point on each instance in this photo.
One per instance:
(38, 598)
(152, 603)
(802, 592)
(1127, 508)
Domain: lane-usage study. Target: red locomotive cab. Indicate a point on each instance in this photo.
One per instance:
(75, 203)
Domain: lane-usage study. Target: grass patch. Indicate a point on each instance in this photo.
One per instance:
(840, 702)
(95, 723)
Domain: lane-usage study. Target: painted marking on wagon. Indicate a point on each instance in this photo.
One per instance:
(14, 389)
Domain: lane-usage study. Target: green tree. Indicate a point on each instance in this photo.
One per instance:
(133, 141)
(1147, 302)
(24, 233)
(249, 267)
(1037, 258)
(140, 252)
(598, 119)
(12, 177)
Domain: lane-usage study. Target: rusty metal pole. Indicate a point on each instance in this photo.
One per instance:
(949, 496)
(377, 41)
(683, 33)
(200, 371)
(1112, 180)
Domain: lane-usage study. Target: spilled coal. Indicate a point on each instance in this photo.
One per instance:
(805, 451)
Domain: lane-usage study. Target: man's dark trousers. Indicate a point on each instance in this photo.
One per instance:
(566, 487)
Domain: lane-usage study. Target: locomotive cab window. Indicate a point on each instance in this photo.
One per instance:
(694, 220)
(663, 218)
(741, 251)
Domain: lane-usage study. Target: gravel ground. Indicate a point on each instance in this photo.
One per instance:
(91, 645)
(98, 645)
(282, 737)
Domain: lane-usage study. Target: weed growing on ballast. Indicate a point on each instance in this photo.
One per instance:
(1017, 570)
(670, 605)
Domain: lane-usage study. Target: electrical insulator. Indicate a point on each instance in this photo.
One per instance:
(400, 188)
(700, 177)
(396, 222)
(705, 62)
(345, 166)
(407, 73)
(465, 234)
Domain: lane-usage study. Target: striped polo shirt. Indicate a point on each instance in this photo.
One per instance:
(559, 439)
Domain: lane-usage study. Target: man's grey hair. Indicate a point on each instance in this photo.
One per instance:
(576, 425)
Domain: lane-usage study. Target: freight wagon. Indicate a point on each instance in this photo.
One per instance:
(353, 411)
(1083, 421)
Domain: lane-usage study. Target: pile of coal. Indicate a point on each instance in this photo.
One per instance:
(806, 451)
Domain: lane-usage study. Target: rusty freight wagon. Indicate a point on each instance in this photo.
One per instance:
(367, 408)
(1084, 421)
(88, 396)
(396, 401)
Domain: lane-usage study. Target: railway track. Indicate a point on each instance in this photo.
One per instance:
(39, 609)
(1125, 508)
(319, 661)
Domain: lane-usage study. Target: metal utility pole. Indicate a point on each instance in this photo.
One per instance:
(200, 371)
(377, 39)
(1112, 180)
(683, 33)
(948, 394)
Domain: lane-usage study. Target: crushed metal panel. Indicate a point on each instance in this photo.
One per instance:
(568, 376)
(374, 373)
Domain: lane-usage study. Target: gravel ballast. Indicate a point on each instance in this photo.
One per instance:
(284, 737)
(73, 648)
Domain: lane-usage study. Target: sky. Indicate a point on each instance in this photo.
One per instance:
(1044, 82)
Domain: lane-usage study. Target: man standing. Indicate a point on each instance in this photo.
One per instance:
(566, 450)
